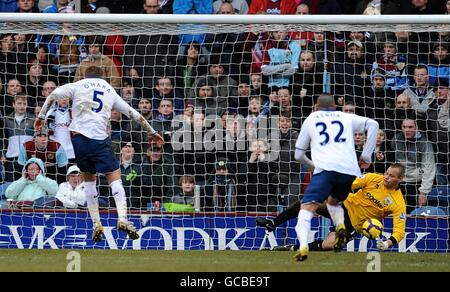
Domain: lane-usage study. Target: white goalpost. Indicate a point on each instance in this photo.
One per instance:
(229, 94)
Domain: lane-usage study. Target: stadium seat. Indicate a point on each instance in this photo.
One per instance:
(428, 211)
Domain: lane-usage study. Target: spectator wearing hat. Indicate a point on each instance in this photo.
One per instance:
(439, 63)
(50, 152)
(351, 76)
(206, 99)
(33, 189)
(379, 99)
(224, 86)
(96, 58)
(220, 190)
(18, 129)
(394, 64)
(70, 193)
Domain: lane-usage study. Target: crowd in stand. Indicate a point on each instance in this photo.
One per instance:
(230, 105)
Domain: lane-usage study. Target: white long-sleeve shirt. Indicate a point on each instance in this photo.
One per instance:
(331, 137)
(71, 197)
(92, 102)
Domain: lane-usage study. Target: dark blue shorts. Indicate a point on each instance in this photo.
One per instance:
(328, 183)
(94, 156)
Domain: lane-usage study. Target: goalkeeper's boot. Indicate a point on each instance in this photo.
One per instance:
(128, 227)
(97, 233)
(341, 238)
(266, 223)
(302, 254)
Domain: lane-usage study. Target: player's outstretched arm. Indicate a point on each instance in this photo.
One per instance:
(371, 126)
(40, 120)
(126, 109)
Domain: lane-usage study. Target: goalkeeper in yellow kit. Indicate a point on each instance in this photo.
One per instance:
(374, 196)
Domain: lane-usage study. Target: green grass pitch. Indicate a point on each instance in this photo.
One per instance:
(215, 261)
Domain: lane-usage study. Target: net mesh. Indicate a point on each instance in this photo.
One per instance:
(229, 100)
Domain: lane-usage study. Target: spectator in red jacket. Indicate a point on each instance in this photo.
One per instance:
(272, 7)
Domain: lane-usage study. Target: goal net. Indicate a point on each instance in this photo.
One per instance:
(229, 95)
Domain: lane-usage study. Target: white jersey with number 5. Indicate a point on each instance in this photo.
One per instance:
(331, 137)
(92, 102)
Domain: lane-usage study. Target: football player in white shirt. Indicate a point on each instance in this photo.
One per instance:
(330, 134)
(92, 101)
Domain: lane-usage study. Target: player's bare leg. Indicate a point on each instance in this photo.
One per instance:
(90, 190)
(118, 193)
(337, 216)
(302, 228)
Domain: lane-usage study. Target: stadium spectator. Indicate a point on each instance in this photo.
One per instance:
(118, 6)
(285, 164)
(120, 129)
(191, 7)
(308, 83)
(224, 86)
(47, 88)
(162, 121)
(415, 153)
(150, 54)
(279, 58)
(383, 155)
(272, 7)
(394, 64)
(8, 59)
(96, 58)
(207, 99)
(27, 6)
(253, 117)
(438, 63)
(287, 105)
(131, 174)
(164, 90)
(441, 133)
(70, 193)
(24, 48)
(228, 45)
(50, 152)
(185, 193)
(379, 100)
(18, 129)
(351, 75)
(349, 107)
(421, 94)
(33, 189)
(67, 50)
(157, 176)
(254, 178)
(59, 118)
(403, 110)
(130, 93)
(187, 68)
(238, 6)
(34, 82)
(221, 193)
(13, 88)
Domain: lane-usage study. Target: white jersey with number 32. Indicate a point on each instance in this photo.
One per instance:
(331, 137)
(92, 102)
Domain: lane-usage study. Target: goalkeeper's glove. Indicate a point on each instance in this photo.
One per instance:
(382, 245)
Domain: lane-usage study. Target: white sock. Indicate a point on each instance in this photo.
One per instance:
(336, 213)
(90, 191)
(118, 193)
(303, 227)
